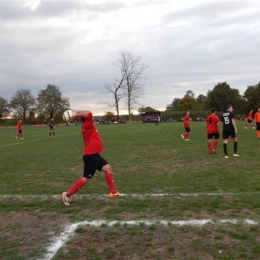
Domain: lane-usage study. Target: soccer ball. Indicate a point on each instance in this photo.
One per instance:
(67, 115)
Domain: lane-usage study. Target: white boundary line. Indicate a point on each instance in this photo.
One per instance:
(69, 230)
(32, 196)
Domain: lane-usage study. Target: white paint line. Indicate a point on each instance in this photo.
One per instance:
(69, 230)
(38, 196)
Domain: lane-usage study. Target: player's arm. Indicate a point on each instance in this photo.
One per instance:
(234, 124)
(79, 113)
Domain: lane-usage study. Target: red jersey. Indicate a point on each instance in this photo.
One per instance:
(212, 124)
(186, 121)
(19, 126)
(250, 116)
(91, 137)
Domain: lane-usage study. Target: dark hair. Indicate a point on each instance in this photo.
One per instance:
(213, 110)
(228, 106)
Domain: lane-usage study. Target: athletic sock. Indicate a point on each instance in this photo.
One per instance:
(79, 184)
(225, 148)
(235, 147)
(110, 182)
(209, 147)
(258, 134)
(215, 144)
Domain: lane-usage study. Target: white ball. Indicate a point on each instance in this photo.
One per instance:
(67, 115)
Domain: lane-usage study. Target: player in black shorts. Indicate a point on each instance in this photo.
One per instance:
(229, 130)
(51, 125)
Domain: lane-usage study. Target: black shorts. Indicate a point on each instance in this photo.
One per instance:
(249, 121)
(92, 162)
(20, 131)
(257, 126)
(51, 128)
(215, 135)
(187, 129)
(227, 134)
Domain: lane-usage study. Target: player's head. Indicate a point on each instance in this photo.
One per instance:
(213, 110)
(229, 108)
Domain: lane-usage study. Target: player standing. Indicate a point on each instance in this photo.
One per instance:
(20, 130)
(91, 157)
(186, 123)
(250, 120)
(257, 122)
(212, 122)
(52, 131)
(229, 130)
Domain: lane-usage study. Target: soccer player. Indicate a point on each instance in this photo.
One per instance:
(250, 120)
(186, 123)
(51, 125)
(212, 122)
(229, 130)
(257, 122)
(91, 157)
(20, 130)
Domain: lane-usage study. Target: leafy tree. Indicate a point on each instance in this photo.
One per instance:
(146, 109)
(188, 102)
(252, 97)
(201, 99)
(50, 101)
(4, 107)
(108, 116)
(222, 95)
(23, 102)
(173, 106)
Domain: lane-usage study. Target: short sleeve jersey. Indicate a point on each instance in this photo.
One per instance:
(186, 121)
(91, 137)
(227, 118)
(19, 126)
(212, 127)
(250, 116)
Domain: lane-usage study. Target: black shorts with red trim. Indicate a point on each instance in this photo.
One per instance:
(215, 136)
(229, 133)
(92, 162)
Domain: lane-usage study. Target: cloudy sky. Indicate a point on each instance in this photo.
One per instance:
(187, 45)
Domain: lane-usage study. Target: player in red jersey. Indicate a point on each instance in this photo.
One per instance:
(91, 157)
(250, 120)
(186, 124)
(212, 130)
(20, 130)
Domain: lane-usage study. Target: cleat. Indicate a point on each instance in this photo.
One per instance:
(113, 195)
(21, 138)
(227, 157)
(214, 151)
(187, 139)
(235, 155)
(65, 200)
(15, 137)
(245, 127)
(253, 127)
(182, 136)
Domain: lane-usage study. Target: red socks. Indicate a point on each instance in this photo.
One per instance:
(110, 181)
(215, 144)
(209, 147)
(79, 184)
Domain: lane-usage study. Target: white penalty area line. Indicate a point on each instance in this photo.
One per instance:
(203, 194)
(69, 230)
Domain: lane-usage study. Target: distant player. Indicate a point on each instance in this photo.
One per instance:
(186, 124)
(257, 122)
(212, 122)
(20, 130)
(250, 120)
(229, 130)
(51, 125)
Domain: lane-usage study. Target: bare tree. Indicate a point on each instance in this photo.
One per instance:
(133, 71)
(4, 109)
(23, 102)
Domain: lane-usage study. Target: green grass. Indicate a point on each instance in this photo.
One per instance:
(146, 160)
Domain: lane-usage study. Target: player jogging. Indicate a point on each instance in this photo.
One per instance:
(186, 124)
(257, 122)
(212, 122)
(20, 130)
(250, 120)
(229, 130)
(51, 125)
(91, 157)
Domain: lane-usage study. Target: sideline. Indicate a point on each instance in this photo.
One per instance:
(60, 240)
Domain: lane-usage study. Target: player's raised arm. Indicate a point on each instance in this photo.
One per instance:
(78, 113)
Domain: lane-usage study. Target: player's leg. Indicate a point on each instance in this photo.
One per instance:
(209, 136)
(216, 141)
(234, 138)
(258, 130)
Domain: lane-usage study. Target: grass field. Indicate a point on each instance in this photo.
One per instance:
(178, 201)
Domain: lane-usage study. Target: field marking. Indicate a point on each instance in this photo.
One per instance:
(44, 197)
(60, 240)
